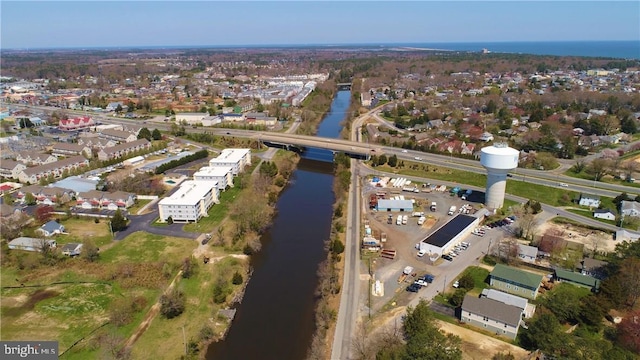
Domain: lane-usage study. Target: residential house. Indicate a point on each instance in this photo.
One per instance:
(626, 235)
(8, 212)
(630, 208)
(123, 149)
(79, 123)
(66, 149)
(486, 137)
(56, 169)
(577, 279)
(31, 244)
(527, 253)
(45, 195)
(117, 135)
(112, 106)
(96, 143)
(515, 281)
(94, 199)
(491, 315)
(51, 228)
(527, 309)
(72, 249)
(605, 214)
(10, 169)
(589, 200)
(592, 267)
(35, 158)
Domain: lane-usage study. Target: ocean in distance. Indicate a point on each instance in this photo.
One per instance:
(624, 49)
(609, 49)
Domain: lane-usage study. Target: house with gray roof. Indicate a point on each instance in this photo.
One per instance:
(589, 200)
(527, 253)
(630, 208)
(605, 214)
(51, 228)
(31, 244)
(515, 281)
(492, 315)
(11, 169)
(517, 301)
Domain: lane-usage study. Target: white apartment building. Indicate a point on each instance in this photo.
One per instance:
(237, 159)
(190, 202)
(223, 175)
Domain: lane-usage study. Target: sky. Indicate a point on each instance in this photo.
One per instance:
(70, 24)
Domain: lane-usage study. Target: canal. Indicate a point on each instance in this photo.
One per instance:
(276, 317)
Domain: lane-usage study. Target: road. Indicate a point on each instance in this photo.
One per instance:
(549, 177)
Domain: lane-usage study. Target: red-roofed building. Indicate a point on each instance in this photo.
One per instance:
(79, 123)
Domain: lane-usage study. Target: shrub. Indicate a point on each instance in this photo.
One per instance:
(237, 278)
(466, 282)
(172, 304)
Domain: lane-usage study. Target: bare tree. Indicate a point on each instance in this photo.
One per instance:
(527, 222)
(361, 344)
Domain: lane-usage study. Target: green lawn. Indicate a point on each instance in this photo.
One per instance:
(217, 212)
(140, 203)
(479, 276)
(145, 247)
(82, 229)
(606, 179)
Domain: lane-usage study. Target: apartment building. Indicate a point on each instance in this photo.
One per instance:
(190, 202)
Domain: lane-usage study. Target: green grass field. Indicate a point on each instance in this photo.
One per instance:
(145, 247)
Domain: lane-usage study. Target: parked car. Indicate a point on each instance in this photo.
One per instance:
(428, 278)
(413, 287)
(421, 253)
(447, 257)
(421, 282)
(456, 284)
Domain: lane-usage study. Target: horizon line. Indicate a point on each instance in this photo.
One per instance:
(94, 47)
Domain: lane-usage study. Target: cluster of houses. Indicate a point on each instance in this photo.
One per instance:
(503, 308)
(108, 143)
(193, 198)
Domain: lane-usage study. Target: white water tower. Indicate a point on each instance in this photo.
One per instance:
(498, 159)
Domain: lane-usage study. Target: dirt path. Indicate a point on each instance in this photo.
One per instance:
(153, 312)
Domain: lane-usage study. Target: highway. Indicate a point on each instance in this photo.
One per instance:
(548, 178)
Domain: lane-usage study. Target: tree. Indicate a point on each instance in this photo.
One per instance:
(29, 199)
(466, 282)
(629, 275)
(382, 159)
(118, 109)
(424, 340)
(90, 251)
(237, 278)
(144, 133)
(44, 213)
(598, 168)
(172, 304)
(544, 333)
(393, 160)
(187, 268)
(118, 222)
(156, 135)
(628, 331)
(565, 302)
(7, 199)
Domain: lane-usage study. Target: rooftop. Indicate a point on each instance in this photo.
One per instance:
(213, 171)
(503, 297)
(577, 278)
(190, 192)
(493, 309)
(517, 276)
(230, 156)
(449, 230)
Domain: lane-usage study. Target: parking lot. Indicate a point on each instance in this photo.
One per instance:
(403, 238)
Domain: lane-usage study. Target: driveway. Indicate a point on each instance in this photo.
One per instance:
(143, 223)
